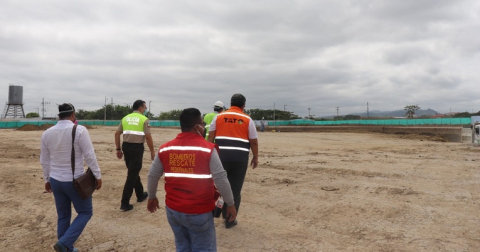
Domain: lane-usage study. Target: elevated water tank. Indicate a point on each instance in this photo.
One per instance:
(15, 95)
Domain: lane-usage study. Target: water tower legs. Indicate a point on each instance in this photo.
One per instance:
(14, 110)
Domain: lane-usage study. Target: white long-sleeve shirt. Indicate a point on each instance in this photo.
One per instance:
(56, 148)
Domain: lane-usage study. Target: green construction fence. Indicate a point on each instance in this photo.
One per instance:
(395, 122)
(175, 123)
(18, 124)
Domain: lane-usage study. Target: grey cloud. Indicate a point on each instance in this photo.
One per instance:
(305, 54)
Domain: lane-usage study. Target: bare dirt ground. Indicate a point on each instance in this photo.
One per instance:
(311, 192)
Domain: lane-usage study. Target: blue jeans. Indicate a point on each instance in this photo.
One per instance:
(65, 194)
(193, 232)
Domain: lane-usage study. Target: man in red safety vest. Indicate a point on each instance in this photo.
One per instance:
(192, 170)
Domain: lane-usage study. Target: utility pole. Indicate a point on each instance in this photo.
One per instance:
(284, 107)
(368, 115)
(338, 108)
(105, 112)
(310, 116)
(150, 108)
(43, 107)
(274, 114)
(111, 103)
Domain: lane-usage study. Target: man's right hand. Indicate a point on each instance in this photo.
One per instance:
(98, 184)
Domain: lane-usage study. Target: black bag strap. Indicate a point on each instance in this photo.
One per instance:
(73, 151)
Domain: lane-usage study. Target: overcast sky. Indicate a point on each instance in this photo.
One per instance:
(301, 56)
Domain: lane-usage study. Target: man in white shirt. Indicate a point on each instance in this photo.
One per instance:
(55, 158)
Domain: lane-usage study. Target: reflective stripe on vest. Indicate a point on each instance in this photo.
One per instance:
(184, 148)
(232, 135)
(189, 184)
(233, 148)
(233, 138)
(133, 124)
(130, 132)
(188, 175)
(239, 114)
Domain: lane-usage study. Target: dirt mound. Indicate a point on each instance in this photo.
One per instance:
(32, 127)
(438, 134)
(29, 127)
(46, 126)
(422, 137)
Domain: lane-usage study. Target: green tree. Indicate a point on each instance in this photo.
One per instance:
(170, 115)
(32, 115)
(116, 112)
(465, 114)
(82, 114)
(257, 114)
(352, 117)
(411, 110)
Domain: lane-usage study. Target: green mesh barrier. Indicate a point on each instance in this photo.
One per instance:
(393, 122)
(174, 123)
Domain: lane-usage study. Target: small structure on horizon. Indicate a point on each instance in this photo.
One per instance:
(14, 106)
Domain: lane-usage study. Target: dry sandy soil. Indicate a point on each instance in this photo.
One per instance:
(311, 192)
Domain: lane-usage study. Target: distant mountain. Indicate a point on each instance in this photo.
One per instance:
(398, 113)
(395, 113)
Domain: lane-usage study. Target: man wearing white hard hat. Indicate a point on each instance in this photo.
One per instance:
(218, 108)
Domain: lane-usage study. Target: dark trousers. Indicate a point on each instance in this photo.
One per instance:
(133, 155)
(236, 172)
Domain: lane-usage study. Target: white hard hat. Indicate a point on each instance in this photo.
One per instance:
(218, 104)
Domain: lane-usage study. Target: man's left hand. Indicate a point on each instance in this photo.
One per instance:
(48, 187)
(152, 205)
(119, 154)
(254, 162)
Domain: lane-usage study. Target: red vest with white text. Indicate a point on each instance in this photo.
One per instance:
(189, 185)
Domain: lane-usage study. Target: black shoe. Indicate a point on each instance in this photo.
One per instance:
(143, 198)
(230, 224)
(59, 247)
(126, 207)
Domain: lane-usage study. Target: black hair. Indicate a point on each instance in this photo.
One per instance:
(65, 110)
(137, 104)
(188, 118)
(238, 100)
